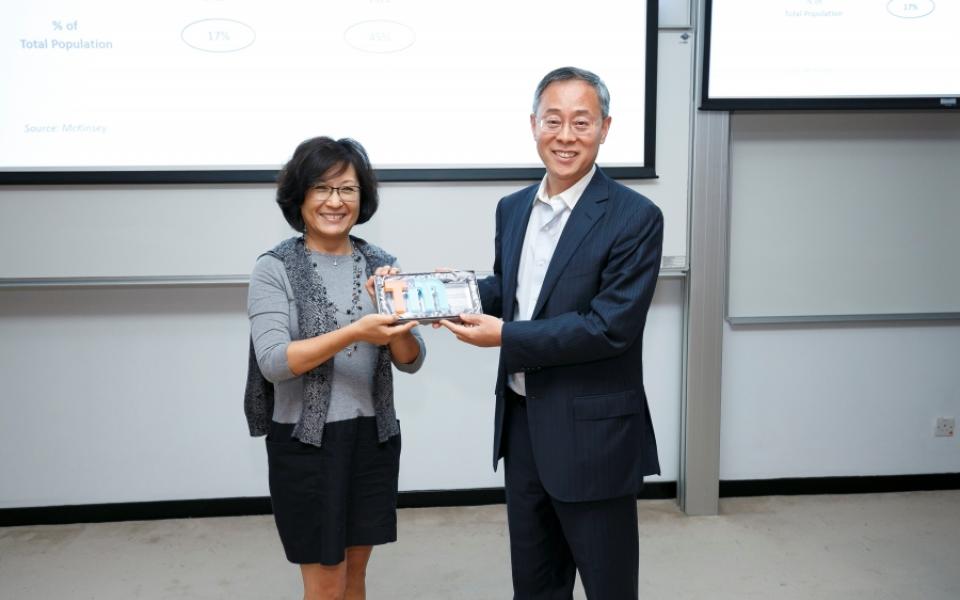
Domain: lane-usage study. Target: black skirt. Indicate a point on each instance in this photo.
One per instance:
(339, 495)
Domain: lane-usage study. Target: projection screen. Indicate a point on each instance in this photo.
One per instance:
(223, 90)
(768, 54)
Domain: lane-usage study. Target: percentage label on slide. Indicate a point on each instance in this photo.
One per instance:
(59, 25)
(910, 9)
(381, 37)
(218, 35)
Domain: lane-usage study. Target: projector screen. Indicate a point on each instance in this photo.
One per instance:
(831, 54)
(223, 90)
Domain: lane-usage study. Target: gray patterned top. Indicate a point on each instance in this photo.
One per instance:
(297, 294)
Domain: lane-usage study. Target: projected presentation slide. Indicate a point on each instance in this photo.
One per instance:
(834, 49)
(236, 84)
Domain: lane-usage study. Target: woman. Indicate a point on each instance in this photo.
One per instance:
(320, 383)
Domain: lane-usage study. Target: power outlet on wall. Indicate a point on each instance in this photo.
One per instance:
(945, 427)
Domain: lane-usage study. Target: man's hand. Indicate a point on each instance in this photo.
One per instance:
(479, 330)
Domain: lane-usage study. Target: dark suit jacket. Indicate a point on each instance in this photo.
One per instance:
(581, 351)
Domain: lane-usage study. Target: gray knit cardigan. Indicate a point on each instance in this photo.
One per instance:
(316, 317)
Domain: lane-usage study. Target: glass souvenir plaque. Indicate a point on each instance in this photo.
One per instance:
(427, 296)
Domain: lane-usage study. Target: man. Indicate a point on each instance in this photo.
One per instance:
(577, 259)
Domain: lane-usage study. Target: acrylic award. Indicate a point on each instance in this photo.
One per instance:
(427, 296)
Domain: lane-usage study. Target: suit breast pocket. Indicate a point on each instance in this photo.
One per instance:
(605, 406)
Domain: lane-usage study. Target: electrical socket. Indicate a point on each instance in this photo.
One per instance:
(945, 427)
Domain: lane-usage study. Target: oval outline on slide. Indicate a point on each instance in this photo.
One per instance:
(929, 5)
(234, 27)
(366, 26)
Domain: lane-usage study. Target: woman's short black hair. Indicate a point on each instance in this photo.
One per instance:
(313, 159)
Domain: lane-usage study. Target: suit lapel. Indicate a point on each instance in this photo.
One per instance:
(585, 214)
(515, 230)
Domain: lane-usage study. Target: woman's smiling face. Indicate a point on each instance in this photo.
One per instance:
(330, 214)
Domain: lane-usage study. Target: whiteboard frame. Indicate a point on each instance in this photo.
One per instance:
(744, 318)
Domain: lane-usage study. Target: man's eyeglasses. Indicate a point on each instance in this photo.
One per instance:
(580, 125)
(347, 193)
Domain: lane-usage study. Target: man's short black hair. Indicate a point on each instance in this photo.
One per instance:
(573, 73)
(313, 159)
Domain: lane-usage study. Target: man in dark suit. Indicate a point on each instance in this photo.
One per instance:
(577, 259)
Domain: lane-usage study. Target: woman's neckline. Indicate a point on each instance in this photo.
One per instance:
(349, 249)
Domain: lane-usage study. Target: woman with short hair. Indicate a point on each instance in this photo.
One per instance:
(320, 380)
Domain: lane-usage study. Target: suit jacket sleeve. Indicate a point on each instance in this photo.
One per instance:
(490, 288)
(616, 314)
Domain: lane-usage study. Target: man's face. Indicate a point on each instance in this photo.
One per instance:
(568, 151)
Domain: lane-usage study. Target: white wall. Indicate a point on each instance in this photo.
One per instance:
(839, 399)
(857, 398)
(135, 394)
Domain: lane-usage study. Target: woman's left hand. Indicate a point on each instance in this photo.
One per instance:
(382, 271)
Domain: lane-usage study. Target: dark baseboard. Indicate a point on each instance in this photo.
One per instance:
(238, 507)
(658, 490)
(873, 484)
(135, 511)
(433, 498)
(655, 490)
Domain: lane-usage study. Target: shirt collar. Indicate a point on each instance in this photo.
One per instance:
(571, 195)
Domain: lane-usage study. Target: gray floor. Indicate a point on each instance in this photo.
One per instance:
(877, 547)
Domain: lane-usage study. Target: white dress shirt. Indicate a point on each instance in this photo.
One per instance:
(547, 220)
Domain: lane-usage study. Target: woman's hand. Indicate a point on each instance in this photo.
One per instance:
(382, 271)
(303, 355)
(379, 329)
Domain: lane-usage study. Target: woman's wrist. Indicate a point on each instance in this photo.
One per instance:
(405, 348)
(351, 334)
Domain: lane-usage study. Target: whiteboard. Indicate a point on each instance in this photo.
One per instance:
(171, 231)
(844, 215)
(674, 13)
